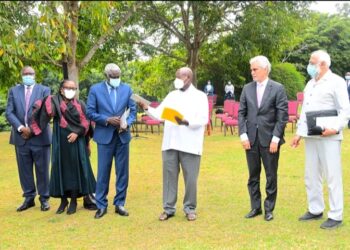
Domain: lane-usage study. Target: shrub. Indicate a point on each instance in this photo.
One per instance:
(290, 77)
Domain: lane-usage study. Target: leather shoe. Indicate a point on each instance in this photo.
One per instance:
(309, 216)
(100, 212)
(28, 203)
(121, 211)
(331, 224)
(44, 205)
(254, 212)
(268, 216)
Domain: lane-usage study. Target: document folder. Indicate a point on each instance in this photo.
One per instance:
(314, 124)
(169, 114)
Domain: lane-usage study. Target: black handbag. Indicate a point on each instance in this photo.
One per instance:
(311, 120)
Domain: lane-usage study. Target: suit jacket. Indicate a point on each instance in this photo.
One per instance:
(269, 119)
(99, 108)
(15, 114)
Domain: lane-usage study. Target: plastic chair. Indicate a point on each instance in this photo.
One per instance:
(231, 121)
(293, 112)
(300, 97)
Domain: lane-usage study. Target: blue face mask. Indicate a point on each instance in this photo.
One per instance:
(114, 82)
(347, 77)
(28, 80)
(312, 70)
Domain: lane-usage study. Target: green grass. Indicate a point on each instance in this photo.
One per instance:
(223, 201)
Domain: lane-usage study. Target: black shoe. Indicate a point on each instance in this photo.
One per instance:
(268, 216)
(254, 212)
(89, 202)
(309, 216)
(72, 207)
(45, 206)
(331, 224)
(28, 203)
(62, 207)
(121, 211)
(100, 212)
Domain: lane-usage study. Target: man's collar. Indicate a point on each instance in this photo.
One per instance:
(263, 83)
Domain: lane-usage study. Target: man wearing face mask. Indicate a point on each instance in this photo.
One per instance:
(30, 149)
(182, 142)
(209, 89)
(325, 91)
(107, 101)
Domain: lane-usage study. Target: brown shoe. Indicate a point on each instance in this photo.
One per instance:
(164, 216)
(191, 216)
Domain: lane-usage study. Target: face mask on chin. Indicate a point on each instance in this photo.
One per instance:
(69, 93)
(178, 83)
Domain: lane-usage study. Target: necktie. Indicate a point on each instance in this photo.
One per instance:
(259, 93)
(27, 99)
(113, 96)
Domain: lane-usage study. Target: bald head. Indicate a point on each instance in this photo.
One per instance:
(184, 72)
(27, 70)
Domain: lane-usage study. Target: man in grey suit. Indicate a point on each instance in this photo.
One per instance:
(262, 116)
(29, 148)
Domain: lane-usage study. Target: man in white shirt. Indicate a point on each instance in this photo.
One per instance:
(325, 91)
(262, 118)
(209, 88)
(182, 142)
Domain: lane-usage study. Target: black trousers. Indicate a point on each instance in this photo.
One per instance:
(255, 156)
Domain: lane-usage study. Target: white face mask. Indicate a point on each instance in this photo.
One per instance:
(69, 93)
(178, 83)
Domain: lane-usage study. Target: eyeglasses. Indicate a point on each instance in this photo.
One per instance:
(28, 74)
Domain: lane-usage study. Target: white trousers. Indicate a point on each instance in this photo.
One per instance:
(323, 160)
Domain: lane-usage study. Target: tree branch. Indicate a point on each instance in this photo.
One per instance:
(104, 37)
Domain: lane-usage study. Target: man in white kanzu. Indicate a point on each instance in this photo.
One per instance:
(325, 91)
(182, 142)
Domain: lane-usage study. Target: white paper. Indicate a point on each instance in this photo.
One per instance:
(327, 121)
(137, 98)
(123, 123)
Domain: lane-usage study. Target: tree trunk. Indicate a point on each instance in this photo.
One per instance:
(73, 73)
(193, 63)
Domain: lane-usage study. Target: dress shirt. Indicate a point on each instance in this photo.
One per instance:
(329, 92)
(193, 105)
(229, 88)
(25, 91)
(262, 86)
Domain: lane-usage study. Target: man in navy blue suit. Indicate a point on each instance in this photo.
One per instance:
(107, 102)
(30, 149)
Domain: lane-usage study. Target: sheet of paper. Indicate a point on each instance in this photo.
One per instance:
(327, 121)
(123, 123)
(137, 98)
(169, 115)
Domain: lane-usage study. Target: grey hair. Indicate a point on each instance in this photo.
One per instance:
(111, 67)
(262, 61)
(323, 56)
(26, 67)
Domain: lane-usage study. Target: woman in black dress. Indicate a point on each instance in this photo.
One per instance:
(71, 173)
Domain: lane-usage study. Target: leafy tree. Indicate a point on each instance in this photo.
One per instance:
(288, 75)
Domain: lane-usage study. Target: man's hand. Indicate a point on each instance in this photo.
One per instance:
(246, 144)
(273, 147)
(72, 137)
(296, 141)
(144, 106)
(114, 121)
(26, 133)
(328, 132)
(181, 122)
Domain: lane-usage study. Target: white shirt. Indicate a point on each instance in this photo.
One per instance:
(229, 88)
(262, 86)
(193, 105)
(329, 92)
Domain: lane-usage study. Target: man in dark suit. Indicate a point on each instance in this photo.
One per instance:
(29, 148)
(263, 115)
(107, 101)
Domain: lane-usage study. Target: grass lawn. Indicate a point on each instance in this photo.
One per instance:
(223, 201)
